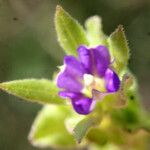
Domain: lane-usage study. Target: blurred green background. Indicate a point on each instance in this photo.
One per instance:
(29, 49)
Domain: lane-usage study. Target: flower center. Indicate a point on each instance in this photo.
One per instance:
(92, 82)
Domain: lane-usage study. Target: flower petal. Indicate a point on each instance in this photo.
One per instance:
(85, 58)
(68, 82)
(71, 95)
(74, 67)
(82, 105)
(70, 78)
(112, 81)
(102, 59)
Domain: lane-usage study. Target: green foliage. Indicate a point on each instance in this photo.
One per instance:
(119, 49)
(48, 129)
(132, 116)
(98, 136)
(94, 31)
(34, 90)
(82, 128)
(70, 33)
(113, 119)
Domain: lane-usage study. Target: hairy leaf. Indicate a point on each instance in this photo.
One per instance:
(70, 33)
(48, 129)
(83, 126)
(119, 49)
(94, 31)
(34, 90)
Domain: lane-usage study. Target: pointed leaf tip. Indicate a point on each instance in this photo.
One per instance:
(119, 49)
(120, 28)
(70, 33)
(58, 9)
(33, 90)
(83, 126)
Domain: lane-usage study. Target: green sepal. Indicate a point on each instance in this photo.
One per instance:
(119, 49)
(145, 123)
(129, 117)
(122, 94)
(70, 33)
(105, 132)
(83, 126)
(94, 31)
(33, 90)
(48, 129)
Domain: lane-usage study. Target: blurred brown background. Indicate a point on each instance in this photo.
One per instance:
(29, 49)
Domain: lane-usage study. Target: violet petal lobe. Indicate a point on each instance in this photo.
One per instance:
(71, 95)
(82, 105)
(101, 59)
(68, 82)
(85, 58)
(112, 81)
(74, 67)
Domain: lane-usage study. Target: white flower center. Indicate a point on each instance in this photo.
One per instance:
(88, 79)
(91, 82)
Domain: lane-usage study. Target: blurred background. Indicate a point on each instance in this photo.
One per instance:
(29, 49)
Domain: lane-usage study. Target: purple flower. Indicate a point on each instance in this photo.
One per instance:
(88, 78)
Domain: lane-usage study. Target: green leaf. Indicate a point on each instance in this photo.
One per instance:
(98, 136)
(48, 129)
(108, 146)
(131, 116)
(94, 31)
(70, 33)
(145, 123)
(34, 90)
(119, 49)
(83, 126)
(72, 121)
(106, 132)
